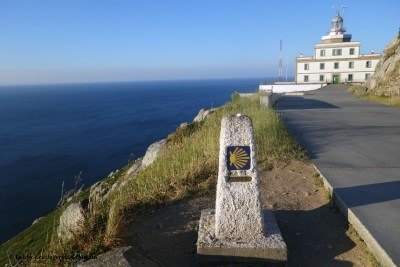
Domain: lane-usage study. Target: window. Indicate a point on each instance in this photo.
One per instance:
(322, 53)
(321, 78)
(336, 66)
(321, 66)
(367, 75)
(305, 78)
(351, 51)
(351, 65)
(306, 66)
(350, 77)
(337, 52)
(368, 64)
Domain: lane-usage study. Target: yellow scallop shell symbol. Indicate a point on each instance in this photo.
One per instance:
(238, 157)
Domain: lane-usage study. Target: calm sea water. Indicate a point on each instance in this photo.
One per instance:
(49, 134)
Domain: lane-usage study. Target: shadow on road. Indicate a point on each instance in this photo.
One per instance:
(298, 102)
(369, 194)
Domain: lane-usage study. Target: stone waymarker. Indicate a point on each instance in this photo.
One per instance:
(239, 227)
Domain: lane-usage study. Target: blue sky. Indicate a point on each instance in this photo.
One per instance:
(97, 41)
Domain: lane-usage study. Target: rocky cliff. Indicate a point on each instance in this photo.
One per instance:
(386, 79)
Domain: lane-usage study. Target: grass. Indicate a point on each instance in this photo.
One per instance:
(386, 100)
(391, 101)
(187, 166)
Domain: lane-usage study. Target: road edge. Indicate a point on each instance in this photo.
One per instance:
(372, 244)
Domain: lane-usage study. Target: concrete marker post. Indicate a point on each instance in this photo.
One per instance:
(239, 228)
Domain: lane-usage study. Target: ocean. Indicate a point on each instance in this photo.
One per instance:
(52, 133)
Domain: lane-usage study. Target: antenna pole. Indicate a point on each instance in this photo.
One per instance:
(280, 62)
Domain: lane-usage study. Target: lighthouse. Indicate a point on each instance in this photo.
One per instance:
(337, 59)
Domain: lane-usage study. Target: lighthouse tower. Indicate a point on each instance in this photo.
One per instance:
(337, 32)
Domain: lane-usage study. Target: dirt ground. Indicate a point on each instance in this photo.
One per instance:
(315, 232)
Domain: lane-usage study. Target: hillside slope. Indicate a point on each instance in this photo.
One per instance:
(386, 79)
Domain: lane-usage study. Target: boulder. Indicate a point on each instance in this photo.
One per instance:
(71, 219)
(124, 257)
(203, 114)
(152, 152)
(183, 125)
(136, 167)
(36, 221)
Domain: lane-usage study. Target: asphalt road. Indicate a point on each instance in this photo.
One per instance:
(355, 144)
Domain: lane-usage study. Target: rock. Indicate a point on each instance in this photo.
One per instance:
(183, 125)
(115, 186)
(38, 219)
(71, 219)
(135, 168)
(152, 152)
(123, 257)
(98, 192)
(386, 79)
(113, 173)
(93, 187)
(202, 115)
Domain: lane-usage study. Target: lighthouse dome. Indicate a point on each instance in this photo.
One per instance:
(337, 23)
(337, 18)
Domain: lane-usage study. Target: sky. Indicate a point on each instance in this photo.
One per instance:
(69, 41)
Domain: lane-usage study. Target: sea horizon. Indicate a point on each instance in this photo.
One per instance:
(271, 79)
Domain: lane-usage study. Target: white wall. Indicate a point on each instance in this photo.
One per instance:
(284, 88)
(314, 71)
(345, 50)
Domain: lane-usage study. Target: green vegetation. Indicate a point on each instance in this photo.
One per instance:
(188, 166)
(386, 100)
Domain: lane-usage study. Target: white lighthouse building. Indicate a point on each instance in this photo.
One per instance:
(336, 60)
